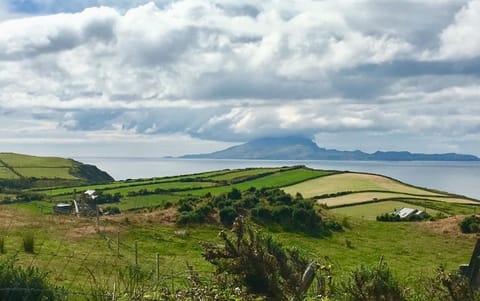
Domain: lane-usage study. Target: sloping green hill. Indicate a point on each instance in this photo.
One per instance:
(49, 171)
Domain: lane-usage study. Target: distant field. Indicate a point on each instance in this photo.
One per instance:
(241, 174)
(46, 172)
(18, 160)
(372, 210)
(362, 197)
(278, 179)
(352, 182)
(6, 173)
(136, 184)
(163, 186)
(144, 201)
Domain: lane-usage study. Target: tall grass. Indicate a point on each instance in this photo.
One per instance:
(2, 245)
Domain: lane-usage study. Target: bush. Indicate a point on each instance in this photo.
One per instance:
(29, 283)
(372, 283)
(228, 216)
(261, 264)
(445, 287)
(234, 194)
(28, 243)
(470, 224)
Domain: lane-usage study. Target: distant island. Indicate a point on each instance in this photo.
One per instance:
(300, 148)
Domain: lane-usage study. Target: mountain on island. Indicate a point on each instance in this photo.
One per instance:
(300, 148)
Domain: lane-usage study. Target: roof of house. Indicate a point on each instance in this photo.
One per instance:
(404, 212)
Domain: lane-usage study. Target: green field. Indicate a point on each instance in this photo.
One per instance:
(278, 179)
(71, 249)
(41, 172)
(67, 247)
(241, 174)
(163, 186)
(46, 172)
(145, 201)
(354, 182)
(135, 185)
(6, 173)
(19, 160)
(372, 210)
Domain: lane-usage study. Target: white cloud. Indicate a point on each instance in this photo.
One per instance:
(460, 39)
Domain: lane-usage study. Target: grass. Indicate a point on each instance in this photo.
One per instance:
(70, 249)
(129, 183)
(163, 186)
(372, 210)
(67, 247)
(146, 201)
(447, 207)
(408, 248)
(353, 182)
(6, 173)
(241, 174)
(362, 197)
(46, 172)
(19, 160)
(35, 206)
(279, 179)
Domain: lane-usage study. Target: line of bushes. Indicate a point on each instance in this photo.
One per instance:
(269, 207)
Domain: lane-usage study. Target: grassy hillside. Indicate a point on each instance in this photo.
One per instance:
(48, 171)
(356, 188)
(73, 249)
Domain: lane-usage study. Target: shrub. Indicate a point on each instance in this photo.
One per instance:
(228, 216)
(372, 283)
(29, 283)
(234, 194)
(470, 224)
(261, 264)
(446, 287)
(28, 243)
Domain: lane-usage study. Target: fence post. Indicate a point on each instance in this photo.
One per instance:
(118, 244)
(157, 267)
(136, 253)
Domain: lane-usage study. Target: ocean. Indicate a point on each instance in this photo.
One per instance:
(455, 177)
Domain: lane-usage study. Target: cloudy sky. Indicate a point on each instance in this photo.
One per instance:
(140, 78)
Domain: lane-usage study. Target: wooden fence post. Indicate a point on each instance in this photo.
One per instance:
(136, 253)
(118, 244)
(157, 266)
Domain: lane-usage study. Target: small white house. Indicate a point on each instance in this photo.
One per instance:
(406, 212)
(91, 194)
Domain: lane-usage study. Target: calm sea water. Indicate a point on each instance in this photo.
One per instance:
(455, 177)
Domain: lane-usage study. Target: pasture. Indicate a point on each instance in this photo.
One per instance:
(354, 182)
(371, 210)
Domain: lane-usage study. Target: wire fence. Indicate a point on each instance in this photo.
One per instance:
(86, 259)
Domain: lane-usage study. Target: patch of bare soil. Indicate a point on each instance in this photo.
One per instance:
(162, 217)
(449, 226)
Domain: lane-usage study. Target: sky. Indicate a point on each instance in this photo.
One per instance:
(156, 78)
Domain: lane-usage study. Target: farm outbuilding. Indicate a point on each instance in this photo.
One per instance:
(62, 208)
(406, 212)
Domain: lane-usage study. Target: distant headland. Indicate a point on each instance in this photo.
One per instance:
(300, 148)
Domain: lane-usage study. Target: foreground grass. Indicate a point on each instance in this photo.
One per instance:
(70, 248)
